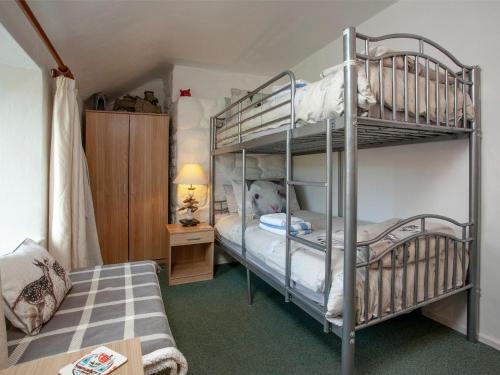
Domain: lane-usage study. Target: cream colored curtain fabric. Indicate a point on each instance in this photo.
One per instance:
(3, 337)
(72, 229)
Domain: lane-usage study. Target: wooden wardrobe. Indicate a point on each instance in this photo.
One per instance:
(127, 154)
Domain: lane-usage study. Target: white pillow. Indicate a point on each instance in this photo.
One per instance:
(271, 166)
(33, 286)
(232, 205)
(294, 203)
(237, 194)
(224, 165)
(253, 172)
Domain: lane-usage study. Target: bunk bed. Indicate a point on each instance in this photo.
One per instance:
(368, 272)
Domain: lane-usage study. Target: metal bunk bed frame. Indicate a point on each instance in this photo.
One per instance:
(345, 136)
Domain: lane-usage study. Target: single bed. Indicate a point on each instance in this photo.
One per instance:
(106, 303)
(266, 251)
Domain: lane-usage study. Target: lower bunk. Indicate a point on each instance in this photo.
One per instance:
(401, 264)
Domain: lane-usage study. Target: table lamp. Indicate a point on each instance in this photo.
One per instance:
(190, 174)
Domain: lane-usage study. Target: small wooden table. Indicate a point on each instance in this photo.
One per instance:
(51, 365)
(190, 253)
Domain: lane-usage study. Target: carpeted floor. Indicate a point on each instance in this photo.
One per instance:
(219, 333)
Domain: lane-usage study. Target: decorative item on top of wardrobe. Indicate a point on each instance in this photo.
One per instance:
(97, 102)
(129, 103)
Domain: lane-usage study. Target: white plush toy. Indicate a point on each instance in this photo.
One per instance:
(267, 197)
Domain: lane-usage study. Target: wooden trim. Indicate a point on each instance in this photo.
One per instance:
(129, 113)
(130, 348)
(62, 69)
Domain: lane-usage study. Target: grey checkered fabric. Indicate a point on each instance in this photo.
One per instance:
(105, 304)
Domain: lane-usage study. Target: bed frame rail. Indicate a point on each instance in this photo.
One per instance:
(230, 124)
(430, 78)
(431, 260)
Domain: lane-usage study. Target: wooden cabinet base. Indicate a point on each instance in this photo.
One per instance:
(190, 253)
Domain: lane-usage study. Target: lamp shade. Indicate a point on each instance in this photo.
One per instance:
(191, 174)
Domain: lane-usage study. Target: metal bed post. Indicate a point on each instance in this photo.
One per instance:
(350, 191)
(243, 219)
(289, 178)
(211, 218)
(474, 210)
(329, 198)
(340, 187)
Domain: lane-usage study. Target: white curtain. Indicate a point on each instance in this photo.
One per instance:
(3, 338)
(72, 229)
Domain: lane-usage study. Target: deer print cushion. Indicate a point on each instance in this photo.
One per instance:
(33, 286)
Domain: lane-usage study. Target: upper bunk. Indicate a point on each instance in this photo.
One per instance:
(413, 92)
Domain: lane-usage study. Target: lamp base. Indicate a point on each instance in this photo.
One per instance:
(189, 222)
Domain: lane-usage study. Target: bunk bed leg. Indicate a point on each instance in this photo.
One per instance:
(350, 202)
(211, 220)
(289, 177)
(244, 213)
(474, 212)
(249, 287)
(329, 214)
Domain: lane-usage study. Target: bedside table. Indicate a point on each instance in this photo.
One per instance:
(190, 253)
(130, 348)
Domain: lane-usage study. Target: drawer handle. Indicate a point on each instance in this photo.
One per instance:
(194, 239)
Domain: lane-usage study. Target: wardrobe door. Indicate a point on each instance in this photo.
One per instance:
(148, 203)
(107, 149)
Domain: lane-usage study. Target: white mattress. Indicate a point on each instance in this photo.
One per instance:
(267, 250)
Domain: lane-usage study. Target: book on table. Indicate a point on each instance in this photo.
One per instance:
(100, 361)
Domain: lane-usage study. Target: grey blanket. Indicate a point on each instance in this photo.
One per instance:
(106, 303)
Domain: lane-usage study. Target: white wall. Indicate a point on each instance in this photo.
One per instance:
(209, 83)
(402, 181)
(24, 141)
(204, 84)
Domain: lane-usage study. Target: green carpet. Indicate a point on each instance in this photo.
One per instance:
(219, 333)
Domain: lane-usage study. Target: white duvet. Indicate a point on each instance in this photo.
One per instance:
(315, 102)
(307, 265)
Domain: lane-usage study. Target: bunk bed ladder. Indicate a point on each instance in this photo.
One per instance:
(328, 187)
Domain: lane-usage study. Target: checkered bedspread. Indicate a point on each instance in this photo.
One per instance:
(105, 304)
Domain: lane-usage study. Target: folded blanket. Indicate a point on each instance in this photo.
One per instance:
(279, 219)
(296, 229)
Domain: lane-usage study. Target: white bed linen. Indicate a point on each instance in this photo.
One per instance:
(315, 102)
(324, 99)
(307, 265)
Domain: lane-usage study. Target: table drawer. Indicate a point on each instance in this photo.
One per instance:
(190, 238)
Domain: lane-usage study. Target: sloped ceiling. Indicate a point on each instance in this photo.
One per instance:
(115, 45)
